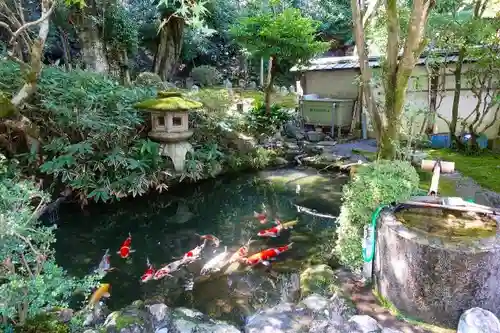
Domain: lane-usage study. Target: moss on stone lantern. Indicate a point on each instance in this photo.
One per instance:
(170, 124)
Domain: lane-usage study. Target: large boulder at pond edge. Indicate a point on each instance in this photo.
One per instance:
(477, 320)
(192, 321)
(315, 314)
(159, 318)
(318, 279)
(132, 319)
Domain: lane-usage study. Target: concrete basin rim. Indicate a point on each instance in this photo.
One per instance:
(479, 245)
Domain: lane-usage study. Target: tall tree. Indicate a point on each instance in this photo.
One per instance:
(175, 15)
(396, 69)
(287, 38)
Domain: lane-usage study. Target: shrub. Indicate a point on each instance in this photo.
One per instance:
(92, 134)
(30, 280)
(214, 100)
(148, 79)
(379, 183)
(206, 75)
(259, 121)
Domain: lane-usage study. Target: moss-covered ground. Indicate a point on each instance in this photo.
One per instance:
(395, 312)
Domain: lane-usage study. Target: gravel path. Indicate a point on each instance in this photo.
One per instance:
(467, 188)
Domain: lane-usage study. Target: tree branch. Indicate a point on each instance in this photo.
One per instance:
(45, 15)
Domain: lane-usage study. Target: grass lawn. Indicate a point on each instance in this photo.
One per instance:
(447, 187)
(484, 169)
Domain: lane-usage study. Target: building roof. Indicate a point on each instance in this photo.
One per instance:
(351, 62)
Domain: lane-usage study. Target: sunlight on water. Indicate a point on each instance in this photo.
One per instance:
(164, 227)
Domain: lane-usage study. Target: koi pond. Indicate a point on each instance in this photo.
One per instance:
(165, 226)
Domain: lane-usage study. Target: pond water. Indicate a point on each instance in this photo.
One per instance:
(164, 227)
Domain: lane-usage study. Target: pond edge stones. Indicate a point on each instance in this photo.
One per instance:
(428, 278)
(170, 124)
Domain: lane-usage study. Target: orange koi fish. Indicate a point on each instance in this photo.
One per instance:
(149, 273)
(212, 238)
(102, 291)
(125, 249)
(265, 256)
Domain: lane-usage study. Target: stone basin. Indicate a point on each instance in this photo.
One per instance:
(434, 264)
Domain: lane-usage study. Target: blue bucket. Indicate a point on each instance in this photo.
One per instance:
(482, 140)
(441, 140)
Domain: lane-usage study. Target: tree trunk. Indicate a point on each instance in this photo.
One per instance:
(397, 72)
(63, 37)
(270, 80)
(366, 74)
(456, 98)
(125, 71)
(433, 95)
(18, 121)
(169, 47)
(93, 48)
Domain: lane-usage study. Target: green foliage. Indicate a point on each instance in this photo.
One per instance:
(92, 134)
(214, 100)
(43, 323)
(30, 280)
(203, 162)
(259, 121)
(192, 12)
(206, 75)
(120, 30)
(335, 17)
(288, 36)
(379, 183)
(148, 80)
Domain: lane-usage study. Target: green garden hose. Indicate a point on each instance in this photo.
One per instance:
(373, 225)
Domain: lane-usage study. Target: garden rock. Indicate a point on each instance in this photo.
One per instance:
(160, 314)
(132, 319)
(314, 136)
(317, 279)
(390, 330)
(95, 316)
(315, 314)
(477, 320)
(252, 85)
(189, 83)
(366, 324)
(190, 321)
(293, 131)
(291, 89)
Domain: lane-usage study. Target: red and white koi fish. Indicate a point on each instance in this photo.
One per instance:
(262, 216)
(168, 269)
(265, 256)
(149, 273)
(195, 253)
(275, 231)
(216, 263)
(125, 249)
(212, 238)
(105, 265)
(241, 253)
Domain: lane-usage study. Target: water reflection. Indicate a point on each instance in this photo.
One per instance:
(164, 227)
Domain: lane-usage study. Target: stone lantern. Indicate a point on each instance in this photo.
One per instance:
(170, 124)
